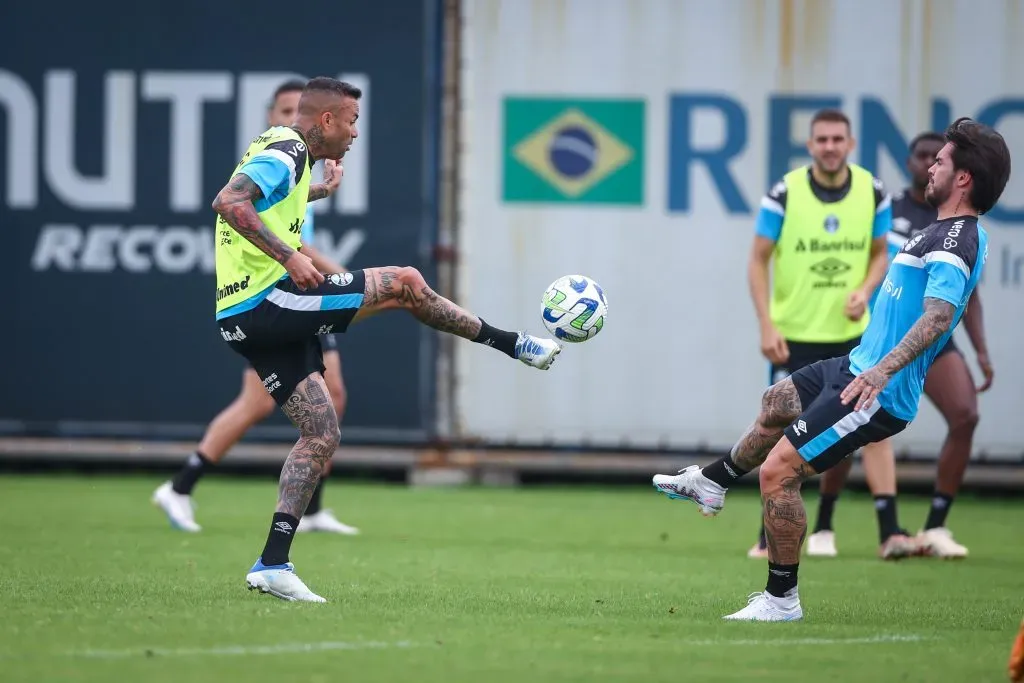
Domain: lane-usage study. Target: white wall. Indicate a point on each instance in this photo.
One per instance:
(678, 363)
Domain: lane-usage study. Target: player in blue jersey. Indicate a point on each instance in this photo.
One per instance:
(253, 404)
(949, 386)
(815, 418)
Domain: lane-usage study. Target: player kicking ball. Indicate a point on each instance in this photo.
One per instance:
(821, 414)
(272, 302)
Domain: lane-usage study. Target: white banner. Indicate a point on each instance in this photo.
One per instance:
(631, 141)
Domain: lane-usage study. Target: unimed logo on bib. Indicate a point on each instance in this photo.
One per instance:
(575, 151)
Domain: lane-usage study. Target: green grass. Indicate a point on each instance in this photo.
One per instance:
(483, 585)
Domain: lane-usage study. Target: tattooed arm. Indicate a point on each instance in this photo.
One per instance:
(936, 320)
(332, 178)
(234, 204)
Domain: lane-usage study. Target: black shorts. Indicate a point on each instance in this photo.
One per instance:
(948, 347)
(282, 336)
(827, 431)
(802, 354)
(328, 342)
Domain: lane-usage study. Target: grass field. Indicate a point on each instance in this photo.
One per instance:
(527, 585)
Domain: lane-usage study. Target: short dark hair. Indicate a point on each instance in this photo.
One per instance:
(294, 85)
(982, 152)
(831, 115)
(333, 85)
(927, 136)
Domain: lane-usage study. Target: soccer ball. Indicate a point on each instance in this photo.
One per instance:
(574, 308)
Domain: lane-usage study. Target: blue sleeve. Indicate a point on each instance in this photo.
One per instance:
(883, 222)
(947, 280)
(769, 224)
(268, 173)
(307, 226)
(893, 250)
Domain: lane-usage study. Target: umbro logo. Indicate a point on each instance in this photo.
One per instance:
(283, 527)
(800, 427)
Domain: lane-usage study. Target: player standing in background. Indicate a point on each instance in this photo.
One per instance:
(948, 384)
(812, 420)
(272, 302)
(253, 404)
(824, 228)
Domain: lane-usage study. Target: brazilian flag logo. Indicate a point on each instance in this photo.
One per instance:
(574, 151)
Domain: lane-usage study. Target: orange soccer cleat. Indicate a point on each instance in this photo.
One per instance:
(1016, 666)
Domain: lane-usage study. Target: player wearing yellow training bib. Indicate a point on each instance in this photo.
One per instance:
(273, 303)
(253, 404)
(823, 229)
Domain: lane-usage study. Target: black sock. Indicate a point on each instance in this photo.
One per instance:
(724, 471)
(279, 541)
(781, 578)
(190, 473)
(885, 508)
(499, 339)
(826, 506)
(314, 501)
(941, 503)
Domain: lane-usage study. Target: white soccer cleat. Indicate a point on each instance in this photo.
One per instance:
(898, 547)
(691, 484)
(325, 521)
(280, 581)
(767, 607)
(177, 507)
(758, 552)
(822, 544)
(939, 543)
(536, 352)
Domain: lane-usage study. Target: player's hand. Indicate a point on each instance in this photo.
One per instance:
(332, 175)
(865, 387)
(856, 305)
(987, 370)
(302, 271)
(773, 346)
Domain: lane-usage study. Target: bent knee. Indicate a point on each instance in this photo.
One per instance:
(410, 281)
(334, 437)
(964, 420)
(776, 473)
(770, 474)
(780, 405)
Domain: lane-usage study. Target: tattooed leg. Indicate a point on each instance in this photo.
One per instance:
(397, 287)
(311, 410)
(785, 520)
(780, 405)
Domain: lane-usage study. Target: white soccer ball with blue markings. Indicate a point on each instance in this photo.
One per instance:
(574, 308)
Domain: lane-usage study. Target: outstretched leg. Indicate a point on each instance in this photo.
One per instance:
(395, 287)
(780, 405)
